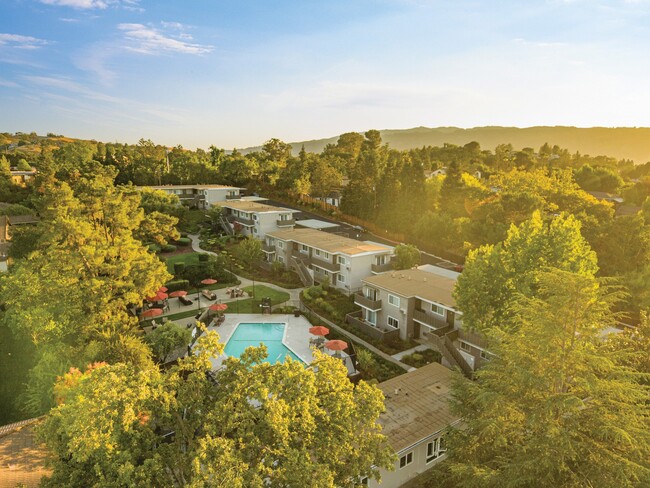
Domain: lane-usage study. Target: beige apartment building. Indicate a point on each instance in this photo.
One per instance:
(256, 219)
(318, 256)
(416, 418)
(419, 304)
(200, 196)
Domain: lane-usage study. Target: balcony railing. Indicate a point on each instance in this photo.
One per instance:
(245, 221)
(423, 317)
(328, 265)
(364, 301)
(381, 268)
(355, 320)
(233, 197)
(267, 248)
(285, 223)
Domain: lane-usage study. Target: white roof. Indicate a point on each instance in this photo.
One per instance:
(437, 270)
(315, 224)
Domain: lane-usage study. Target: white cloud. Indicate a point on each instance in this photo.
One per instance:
(148, 40)
(21, 42)
(93, 4)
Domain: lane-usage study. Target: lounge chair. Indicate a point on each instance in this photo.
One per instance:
(208, 294)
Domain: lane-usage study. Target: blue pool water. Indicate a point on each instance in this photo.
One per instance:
(247, 334)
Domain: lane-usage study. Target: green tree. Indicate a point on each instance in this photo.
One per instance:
(555, 406)
(494, 275)
(249, 424)
(168, 337)
(250, 252)
(407, 256)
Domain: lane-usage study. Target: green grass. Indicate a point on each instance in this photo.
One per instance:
(251, 305)
(188, 258)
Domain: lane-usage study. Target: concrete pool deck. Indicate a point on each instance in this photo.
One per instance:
(296, 333)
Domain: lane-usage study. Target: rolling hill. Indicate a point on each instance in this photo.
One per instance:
(619, 142)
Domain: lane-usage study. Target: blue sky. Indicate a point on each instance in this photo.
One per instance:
(236, 73)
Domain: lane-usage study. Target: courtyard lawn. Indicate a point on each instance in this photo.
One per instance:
(188, 258)
(251, 305)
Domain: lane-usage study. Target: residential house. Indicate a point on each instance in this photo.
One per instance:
(201, 196)
(419, 304)
(318, 256)
(415, 421)
(20, 177)
(6, 224)
(254, 218)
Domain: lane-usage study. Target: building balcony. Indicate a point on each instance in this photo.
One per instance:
(363, 301)
(381, 268)
(328, 265)
(233, 197)
(245, 221)
(267, 248)
(355, 319)
(429, 320)
(285, 223)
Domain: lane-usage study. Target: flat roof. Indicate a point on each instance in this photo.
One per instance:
(328, 242)
(22, 457)
(22, 219)
(250, 206)
(316, 224)
(416, 283)
(432, 268)
(191, 187)
(416, 405)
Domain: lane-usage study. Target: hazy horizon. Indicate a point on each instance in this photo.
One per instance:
(235, 75)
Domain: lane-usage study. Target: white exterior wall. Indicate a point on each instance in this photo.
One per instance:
(396, 478)
(267, 222)
(214, 195)
(360, 268)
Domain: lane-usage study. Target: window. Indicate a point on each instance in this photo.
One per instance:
(254, 216)
(370, 316)
(280, 259)
(393, 300)
(406, 459)
(465, 346)
(342, 260)
(393, 322)
(437, 309)
(280, 245)
(255, 230)
(485, 355)
(340, 278)
(364, 481)
(316, 252)
(435, 449)
(325, 255)
(304, 248)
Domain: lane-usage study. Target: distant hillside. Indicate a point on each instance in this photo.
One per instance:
(619, 142)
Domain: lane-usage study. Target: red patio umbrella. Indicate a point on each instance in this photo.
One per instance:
(179, 293)
(208, 281)
(319, 330)
(158, 297)
(336, 345)
(218, 307)
(152, 312)
(163, 289)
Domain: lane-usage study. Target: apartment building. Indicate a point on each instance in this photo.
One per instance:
(318, 256)
(419, 304)
(254, 218)
(416, 418)
(200, 196)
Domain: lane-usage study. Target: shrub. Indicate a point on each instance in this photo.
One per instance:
(204, 257)
(154, 248)
(176, 285)
(184, 241)
(168, 248)
(179, 269)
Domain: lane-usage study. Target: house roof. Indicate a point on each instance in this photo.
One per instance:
(417, 283)
(22, 219)
(416, 405)
(22, 458)
(316, 224)
(191, 187)
(328, 242)
(248, 206)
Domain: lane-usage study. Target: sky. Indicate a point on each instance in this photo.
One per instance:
(235, 73)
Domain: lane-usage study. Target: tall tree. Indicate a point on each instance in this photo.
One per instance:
(555, 406)
(249, 424)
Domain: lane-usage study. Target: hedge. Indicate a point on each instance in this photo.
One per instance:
(168, 248)
(176, 285)
(184, 241)
(154, 248)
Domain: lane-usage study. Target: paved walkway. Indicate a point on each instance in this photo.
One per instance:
(421, 347)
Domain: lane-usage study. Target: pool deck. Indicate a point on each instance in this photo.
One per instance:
(296, 333)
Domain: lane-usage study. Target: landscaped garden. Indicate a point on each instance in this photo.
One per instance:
(189, 269)
(421, 358)
(334, 305)
(252, 305)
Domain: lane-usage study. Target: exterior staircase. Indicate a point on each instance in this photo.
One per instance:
(226, 226)
(303, 272)
(442, 339)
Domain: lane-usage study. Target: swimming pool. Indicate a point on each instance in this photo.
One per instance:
(251, 334)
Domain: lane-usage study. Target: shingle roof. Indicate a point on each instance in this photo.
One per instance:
(416, 405)
(329, 242)
(416, 283)
(190, 187)
(248, 206)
